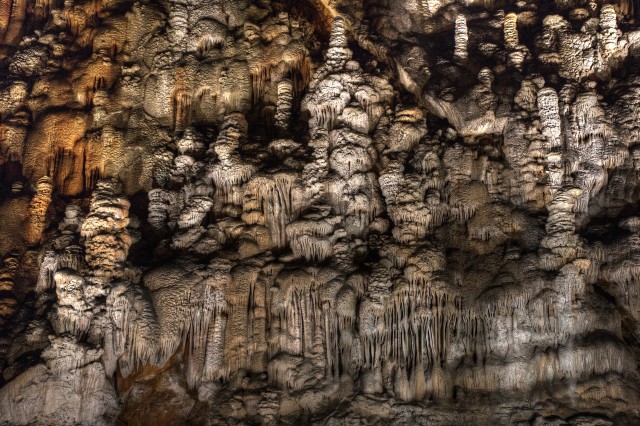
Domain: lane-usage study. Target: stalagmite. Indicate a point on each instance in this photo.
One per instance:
(550, 115)
(461, 37)
(179, 23)
(8, 301)
(38, 210)
(609, 27)
(283, 107)
(107, 240)
(511, 31)
(338, 53)
(560, 239)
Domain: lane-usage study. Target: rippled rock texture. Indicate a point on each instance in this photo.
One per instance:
(319, 211)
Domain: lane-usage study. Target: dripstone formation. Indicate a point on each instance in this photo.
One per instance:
(319, 212)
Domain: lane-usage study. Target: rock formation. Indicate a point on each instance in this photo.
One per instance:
(319, 212)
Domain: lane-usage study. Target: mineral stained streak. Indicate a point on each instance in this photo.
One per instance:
(319, 212)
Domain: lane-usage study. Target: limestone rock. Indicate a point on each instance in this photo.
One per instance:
(319, 212)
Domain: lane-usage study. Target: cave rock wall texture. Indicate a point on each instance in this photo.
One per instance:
(319, 211)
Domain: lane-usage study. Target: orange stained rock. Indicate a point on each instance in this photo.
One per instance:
(96, 74)
(56, 148)
(12, 16)
(38, 210)
(5, 15)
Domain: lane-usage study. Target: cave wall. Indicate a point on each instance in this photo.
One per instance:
(320, 211)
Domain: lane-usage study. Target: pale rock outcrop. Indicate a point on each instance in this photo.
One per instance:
(73, 314)
(57, 389)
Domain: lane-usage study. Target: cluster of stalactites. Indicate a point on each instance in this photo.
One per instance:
(71, 257)
(343, 115)
(148, 326)
(73, 351)
(272, 202)
(420, 323)
(313, 239)
(132, 336)
(618, 265)
(339, 311)
(408, 328)
(197, 322)
(305, 320)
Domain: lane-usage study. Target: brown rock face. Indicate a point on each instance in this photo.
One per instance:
(319, 212)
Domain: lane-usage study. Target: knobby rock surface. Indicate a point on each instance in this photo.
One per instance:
(319, 212)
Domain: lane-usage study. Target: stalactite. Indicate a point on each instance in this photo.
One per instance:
(311, 248)
(259, 80)
(209, 42)
(214, 362)
(182, 102)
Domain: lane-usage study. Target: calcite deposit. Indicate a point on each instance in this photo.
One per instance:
(319, 212)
